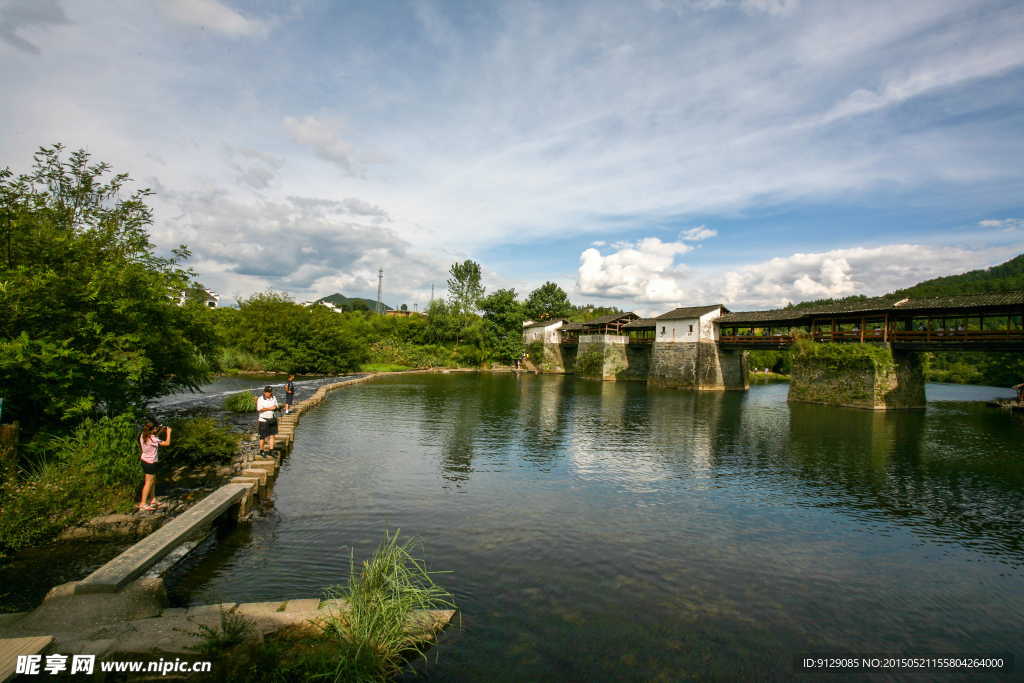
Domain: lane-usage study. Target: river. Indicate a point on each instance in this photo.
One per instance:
(618, 531)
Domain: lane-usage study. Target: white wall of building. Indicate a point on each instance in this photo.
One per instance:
(688, 329)
(547, 334)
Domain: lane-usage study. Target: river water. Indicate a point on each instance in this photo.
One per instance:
(610, 531)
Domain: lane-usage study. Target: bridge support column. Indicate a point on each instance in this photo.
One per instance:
(551, 358)
(602, 356)
(698, 365)
(871, 376)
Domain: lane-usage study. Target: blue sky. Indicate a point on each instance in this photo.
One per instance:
(644, 154)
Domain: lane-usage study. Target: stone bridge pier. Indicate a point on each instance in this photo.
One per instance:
(860, 383)
(698, 365)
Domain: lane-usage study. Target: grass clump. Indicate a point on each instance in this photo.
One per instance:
(384, 620)
(383, 367)
(234, 629)
(242, 402)
(590, 364)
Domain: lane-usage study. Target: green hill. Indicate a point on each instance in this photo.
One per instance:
(1006, 277)
(345, 302)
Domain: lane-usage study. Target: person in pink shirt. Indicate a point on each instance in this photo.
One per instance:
(150, 443)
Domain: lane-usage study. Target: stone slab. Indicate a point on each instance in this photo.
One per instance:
(252, 482)
(270, 466)
(203, 610)
(259, 475)
(174, 612)
(134, 561)
(310, 605)
(260, 607)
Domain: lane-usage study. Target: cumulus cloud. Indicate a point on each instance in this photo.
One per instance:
(16, 15)
(352, 206)
(696, 234)
(306, 246)
(642, 271)
(873, 271)
(213, 16)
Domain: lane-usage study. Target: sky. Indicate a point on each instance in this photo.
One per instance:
(645, 154)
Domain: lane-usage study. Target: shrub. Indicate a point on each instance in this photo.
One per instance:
(199, 440)
(590, 364)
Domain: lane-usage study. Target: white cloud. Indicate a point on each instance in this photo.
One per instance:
(17, 15)
(642, 271)
(752, 7)
(872, 271)
(320, 136)
(1004, 224)
(696, 234)
(304, 246)
(213, 16)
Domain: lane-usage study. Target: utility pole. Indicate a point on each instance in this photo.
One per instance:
(431, 292)
(380, 287)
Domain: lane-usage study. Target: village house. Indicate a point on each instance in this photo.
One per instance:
(693, 324)
(545, 331)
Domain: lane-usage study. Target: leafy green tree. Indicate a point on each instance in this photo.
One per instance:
(89, 319)
(442, 323)
(464, 288)
(503, 317)
(546, 302)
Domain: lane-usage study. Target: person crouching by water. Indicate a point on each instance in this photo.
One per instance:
(150, 443)
(267, 408)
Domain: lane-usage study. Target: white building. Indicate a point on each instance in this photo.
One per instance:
(693, 324)
(545, 331)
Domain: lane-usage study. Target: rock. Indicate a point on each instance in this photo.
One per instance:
(63, 609)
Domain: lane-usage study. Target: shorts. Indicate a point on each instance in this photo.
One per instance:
(266, 429)
(149, 467)
(289, 399)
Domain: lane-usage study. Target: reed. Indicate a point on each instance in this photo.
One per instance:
(379, 630)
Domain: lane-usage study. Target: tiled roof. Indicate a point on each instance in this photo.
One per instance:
(641, 324)
(992, 299)
(544, 323)
(571, 327)
(783, 315)
(611, 317)
(691, 312)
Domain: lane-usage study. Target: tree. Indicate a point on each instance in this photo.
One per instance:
(404, 308)
(503, 316)
(546, 302)
(87, 319)
(442, 323)
(464, 288)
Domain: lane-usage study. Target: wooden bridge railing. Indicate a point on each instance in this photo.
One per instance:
(929, 336)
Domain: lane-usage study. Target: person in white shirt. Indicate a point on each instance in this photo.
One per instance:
(266, 426)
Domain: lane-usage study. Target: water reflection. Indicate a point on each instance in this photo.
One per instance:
(611, 529)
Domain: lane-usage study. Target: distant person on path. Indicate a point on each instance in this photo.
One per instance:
(289, 394)
(150, 443)
(266, 425)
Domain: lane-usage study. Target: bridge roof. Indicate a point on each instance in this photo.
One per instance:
(545, 323)
(958, 304)
(571, 327)
(641, 324)
(690, 312)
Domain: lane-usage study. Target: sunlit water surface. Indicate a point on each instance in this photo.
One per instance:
(600, 531)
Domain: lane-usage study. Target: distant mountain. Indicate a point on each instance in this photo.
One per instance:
(1002, 278)
(340, 300)
(1006, 277)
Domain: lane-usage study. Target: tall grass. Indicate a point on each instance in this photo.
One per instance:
(242, 360)
(379, 628)
(242, 402)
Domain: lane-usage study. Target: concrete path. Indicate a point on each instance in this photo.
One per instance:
(132, 563)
